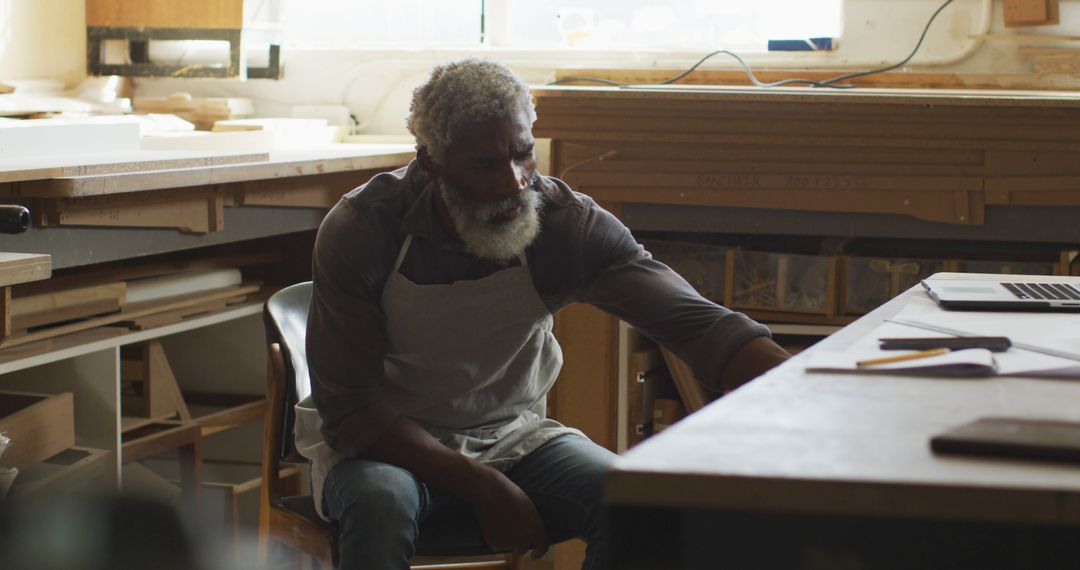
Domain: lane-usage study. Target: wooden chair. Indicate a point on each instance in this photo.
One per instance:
(292, 519)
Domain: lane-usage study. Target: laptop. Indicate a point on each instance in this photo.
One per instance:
(1006, 293)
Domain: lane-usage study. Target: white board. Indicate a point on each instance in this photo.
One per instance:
(152, 288)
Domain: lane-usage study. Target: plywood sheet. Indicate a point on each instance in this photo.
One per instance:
(21, 140)
(103, 164)
(49, 301)
(24, 267)
(152, 288)
(321, 160)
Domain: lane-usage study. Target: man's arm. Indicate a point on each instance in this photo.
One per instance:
(754, 358)
(725, 349)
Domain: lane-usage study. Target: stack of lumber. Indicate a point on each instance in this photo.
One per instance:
(137, 298)
(202, 111)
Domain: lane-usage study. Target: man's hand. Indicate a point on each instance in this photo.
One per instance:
(507, 516)
(753, 359)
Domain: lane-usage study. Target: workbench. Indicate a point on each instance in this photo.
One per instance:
(831, 470)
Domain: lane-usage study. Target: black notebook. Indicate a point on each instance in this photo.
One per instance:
(1013, 437)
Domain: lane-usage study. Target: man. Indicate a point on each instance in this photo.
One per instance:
(429, 340)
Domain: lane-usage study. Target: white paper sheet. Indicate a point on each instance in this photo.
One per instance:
(1052, 333)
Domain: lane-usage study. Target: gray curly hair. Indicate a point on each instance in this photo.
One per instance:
(460, 93)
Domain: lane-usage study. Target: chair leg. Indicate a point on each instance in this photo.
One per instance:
(515, 561)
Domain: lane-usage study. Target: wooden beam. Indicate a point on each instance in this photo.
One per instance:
(211, 14)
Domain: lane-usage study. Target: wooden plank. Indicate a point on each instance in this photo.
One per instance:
(333, 158)
(799, 174)
(838, 124)
(934, 205)
(204, 14)
(172, 317)
(1053, 60)
(193, 215)
(1014, 163)
(129, 271)
(600, 137)
(76, 467)
(65, 313)
(131, 312)
(163, 382)
(132, 423)
(232, 417)
(18, 268)
(34, 303)
(681, 105)
(629, 152)
(768, 181)
(1019, 13)
(301, 192)
(690, 390)
(1023, 184)
(104, 163)
(196, 210)
(12, 354)
(157, 438)
(1010, 100)
(6, 327)
(1038, 198)
(894, 80)
(157, 393)
(39, 425)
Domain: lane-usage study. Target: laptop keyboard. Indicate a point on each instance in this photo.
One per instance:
(1045, 291)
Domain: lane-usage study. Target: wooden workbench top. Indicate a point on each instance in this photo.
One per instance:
(18, 268)
(835, 444)
(279, 164)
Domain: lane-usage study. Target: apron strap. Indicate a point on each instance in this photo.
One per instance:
(401, 254)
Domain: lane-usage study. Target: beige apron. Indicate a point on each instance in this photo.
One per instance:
(471, 362)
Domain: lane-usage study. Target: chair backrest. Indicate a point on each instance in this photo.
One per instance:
(285, 316)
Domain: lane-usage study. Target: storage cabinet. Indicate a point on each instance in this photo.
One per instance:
(221, 352)
(871, 281)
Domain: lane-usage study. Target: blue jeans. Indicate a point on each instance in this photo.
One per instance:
(379, 508)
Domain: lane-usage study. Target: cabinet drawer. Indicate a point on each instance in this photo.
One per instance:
(782, 282)
(871, 281)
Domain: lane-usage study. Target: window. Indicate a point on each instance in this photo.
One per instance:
(679, 24)
(560, 24)
(383, 23)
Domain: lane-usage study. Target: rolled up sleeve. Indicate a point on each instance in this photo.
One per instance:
(346, 340)
(624, 280)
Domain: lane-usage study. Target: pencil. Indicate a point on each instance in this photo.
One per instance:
(902, 357)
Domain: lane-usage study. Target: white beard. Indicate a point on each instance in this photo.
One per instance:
(485, 237)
